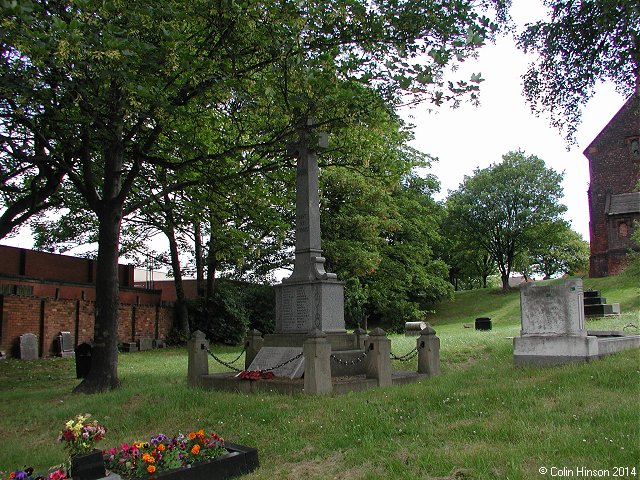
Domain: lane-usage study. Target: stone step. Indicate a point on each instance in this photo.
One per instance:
(602, 309)
(594, 300)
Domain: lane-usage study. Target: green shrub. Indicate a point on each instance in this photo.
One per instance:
(223, 317)
(260, 303)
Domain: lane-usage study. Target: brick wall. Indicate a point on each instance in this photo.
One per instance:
(612, 171)
(49, 266)
(46, 317)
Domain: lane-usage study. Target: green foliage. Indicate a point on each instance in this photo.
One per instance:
(379, 237)
(224, 317)
(260, 302)
(561, 250)
(116, 96)
(580, 44)
(233, 309)
(501, 206)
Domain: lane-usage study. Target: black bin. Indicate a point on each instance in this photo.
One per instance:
(83, 360)
(483, 323)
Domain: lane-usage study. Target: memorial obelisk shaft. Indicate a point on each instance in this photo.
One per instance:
(310, 298)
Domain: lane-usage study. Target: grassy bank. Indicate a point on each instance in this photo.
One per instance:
(482, 418)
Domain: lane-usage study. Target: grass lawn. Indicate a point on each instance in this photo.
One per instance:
(482, 418)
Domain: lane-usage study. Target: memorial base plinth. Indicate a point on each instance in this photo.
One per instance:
(310, 305)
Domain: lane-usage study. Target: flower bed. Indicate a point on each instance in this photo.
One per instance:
(194, 456)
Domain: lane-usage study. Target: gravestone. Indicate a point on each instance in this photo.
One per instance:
(129, 347)
(28, 347)
(310, 298)
(269, 357)
(553, 328)
(145, 344)
(65, 345)
(83, 359)
(483, 323)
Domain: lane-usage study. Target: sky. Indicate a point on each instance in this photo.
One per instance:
(469, 137)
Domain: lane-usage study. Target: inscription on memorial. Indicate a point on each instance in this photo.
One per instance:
(296, 310)
(302, 222)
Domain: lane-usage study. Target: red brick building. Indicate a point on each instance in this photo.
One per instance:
(614, 205)
(43, 294)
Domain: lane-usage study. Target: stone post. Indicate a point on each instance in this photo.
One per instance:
(361, 338)
(252, 345)
(197, 347)
(379, 364)
(317, 369)
(428, 352)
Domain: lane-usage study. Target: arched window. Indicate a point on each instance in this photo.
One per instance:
(623, 229)
(634, 145)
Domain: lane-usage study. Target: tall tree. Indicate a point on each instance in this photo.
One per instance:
(581, 43)
(500, 206)
(560, 250)
(106, 91)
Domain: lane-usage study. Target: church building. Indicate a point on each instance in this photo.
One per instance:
(614, 199)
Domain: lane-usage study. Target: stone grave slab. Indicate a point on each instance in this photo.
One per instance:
(145, 344)
(269, 357)
(28, 347)
(65, 345)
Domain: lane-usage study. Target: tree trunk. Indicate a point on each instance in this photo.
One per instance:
(103, 375)
(200, 286)
(504, 276)
(212, 264)
(181, 304)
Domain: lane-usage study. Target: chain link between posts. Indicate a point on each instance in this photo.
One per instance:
(407, 356)
(350, 363)
(227, 364)
(282, 364)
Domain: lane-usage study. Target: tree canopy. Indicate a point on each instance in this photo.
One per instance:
(499, 207)
(582, 43)
(103, 96)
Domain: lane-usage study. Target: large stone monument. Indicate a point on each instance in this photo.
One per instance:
(310, 339)
(554, 331)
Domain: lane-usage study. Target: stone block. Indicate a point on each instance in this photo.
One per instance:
(28, 345)
(554, 350)
(198, 362)
(413, 329)
(269, 357)
(552, 309)
(379, 358)
(428, 345)
(317, 368)
(304, 306)
(129, 347)
(252, 345)
(145, 344)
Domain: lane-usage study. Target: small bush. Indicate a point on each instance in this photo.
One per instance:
(224, 317)
(260, 303)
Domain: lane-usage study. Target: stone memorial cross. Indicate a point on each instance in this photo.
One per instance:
(309, 262)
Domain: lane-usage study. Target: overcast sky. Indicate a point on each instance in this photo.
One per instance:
(470, 137)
